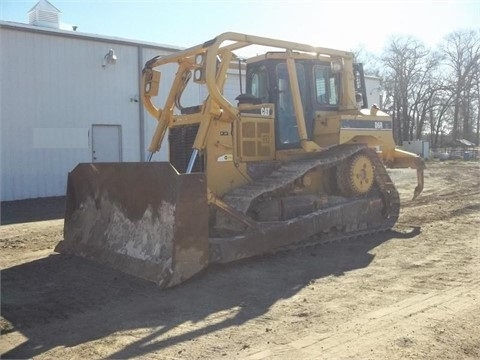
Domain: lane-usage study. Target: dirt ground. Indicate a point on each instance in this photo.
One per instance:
(411, 293)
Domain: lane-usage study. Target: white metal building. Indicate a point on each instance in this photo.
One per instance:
(64, 100)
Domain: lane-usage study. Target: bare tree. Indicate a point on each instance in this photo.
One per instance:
(432, 92)
(370, 61)
(424, 90)
(439, 114)
(477, 79)
(408, 72)
(462, 53)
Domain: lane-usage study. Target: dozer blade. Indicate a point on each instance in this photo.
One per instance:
(141, 218)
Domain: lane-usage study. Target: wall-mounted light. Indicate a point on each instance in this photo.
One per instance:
(109, 58)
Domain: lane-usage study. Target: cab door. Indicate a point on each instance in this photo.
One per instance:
(286, 123)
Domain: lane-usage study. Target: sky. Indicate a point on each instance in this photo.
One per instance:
(346, 25)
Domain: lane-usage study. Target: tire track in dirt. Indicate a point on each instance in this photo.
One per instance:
(360, 337)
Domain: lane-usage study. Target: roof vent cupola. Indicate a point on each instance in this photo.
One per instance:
(44, 14)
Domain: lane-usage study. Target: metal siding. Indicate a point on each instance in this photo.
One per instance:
(50, 81)
(150, 122)
(232, 86)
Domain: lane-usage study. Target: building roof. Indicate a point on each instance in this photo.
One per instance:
(464, 142)
(44, 5)
(79, 35)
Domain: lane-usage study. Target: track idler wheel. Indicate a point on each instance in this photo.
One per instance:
(356, 175)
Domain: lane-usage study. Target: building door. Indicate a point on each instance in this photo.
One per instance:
(106, 143)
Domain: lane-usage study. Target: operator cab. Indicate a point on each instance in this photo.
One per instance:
(268, 80)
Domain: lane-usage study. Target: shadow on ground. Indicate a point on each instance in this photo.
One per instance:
(65, 301)
(21, 211)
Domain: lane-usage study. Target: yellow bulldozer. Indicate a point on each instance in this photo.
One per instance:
(297, 158)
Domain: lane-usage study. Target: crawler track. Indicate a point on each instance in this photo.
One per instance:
(352, 218)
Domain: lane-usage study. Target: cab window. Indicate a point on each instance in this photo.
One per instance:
(257, 83)
(326, 86)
